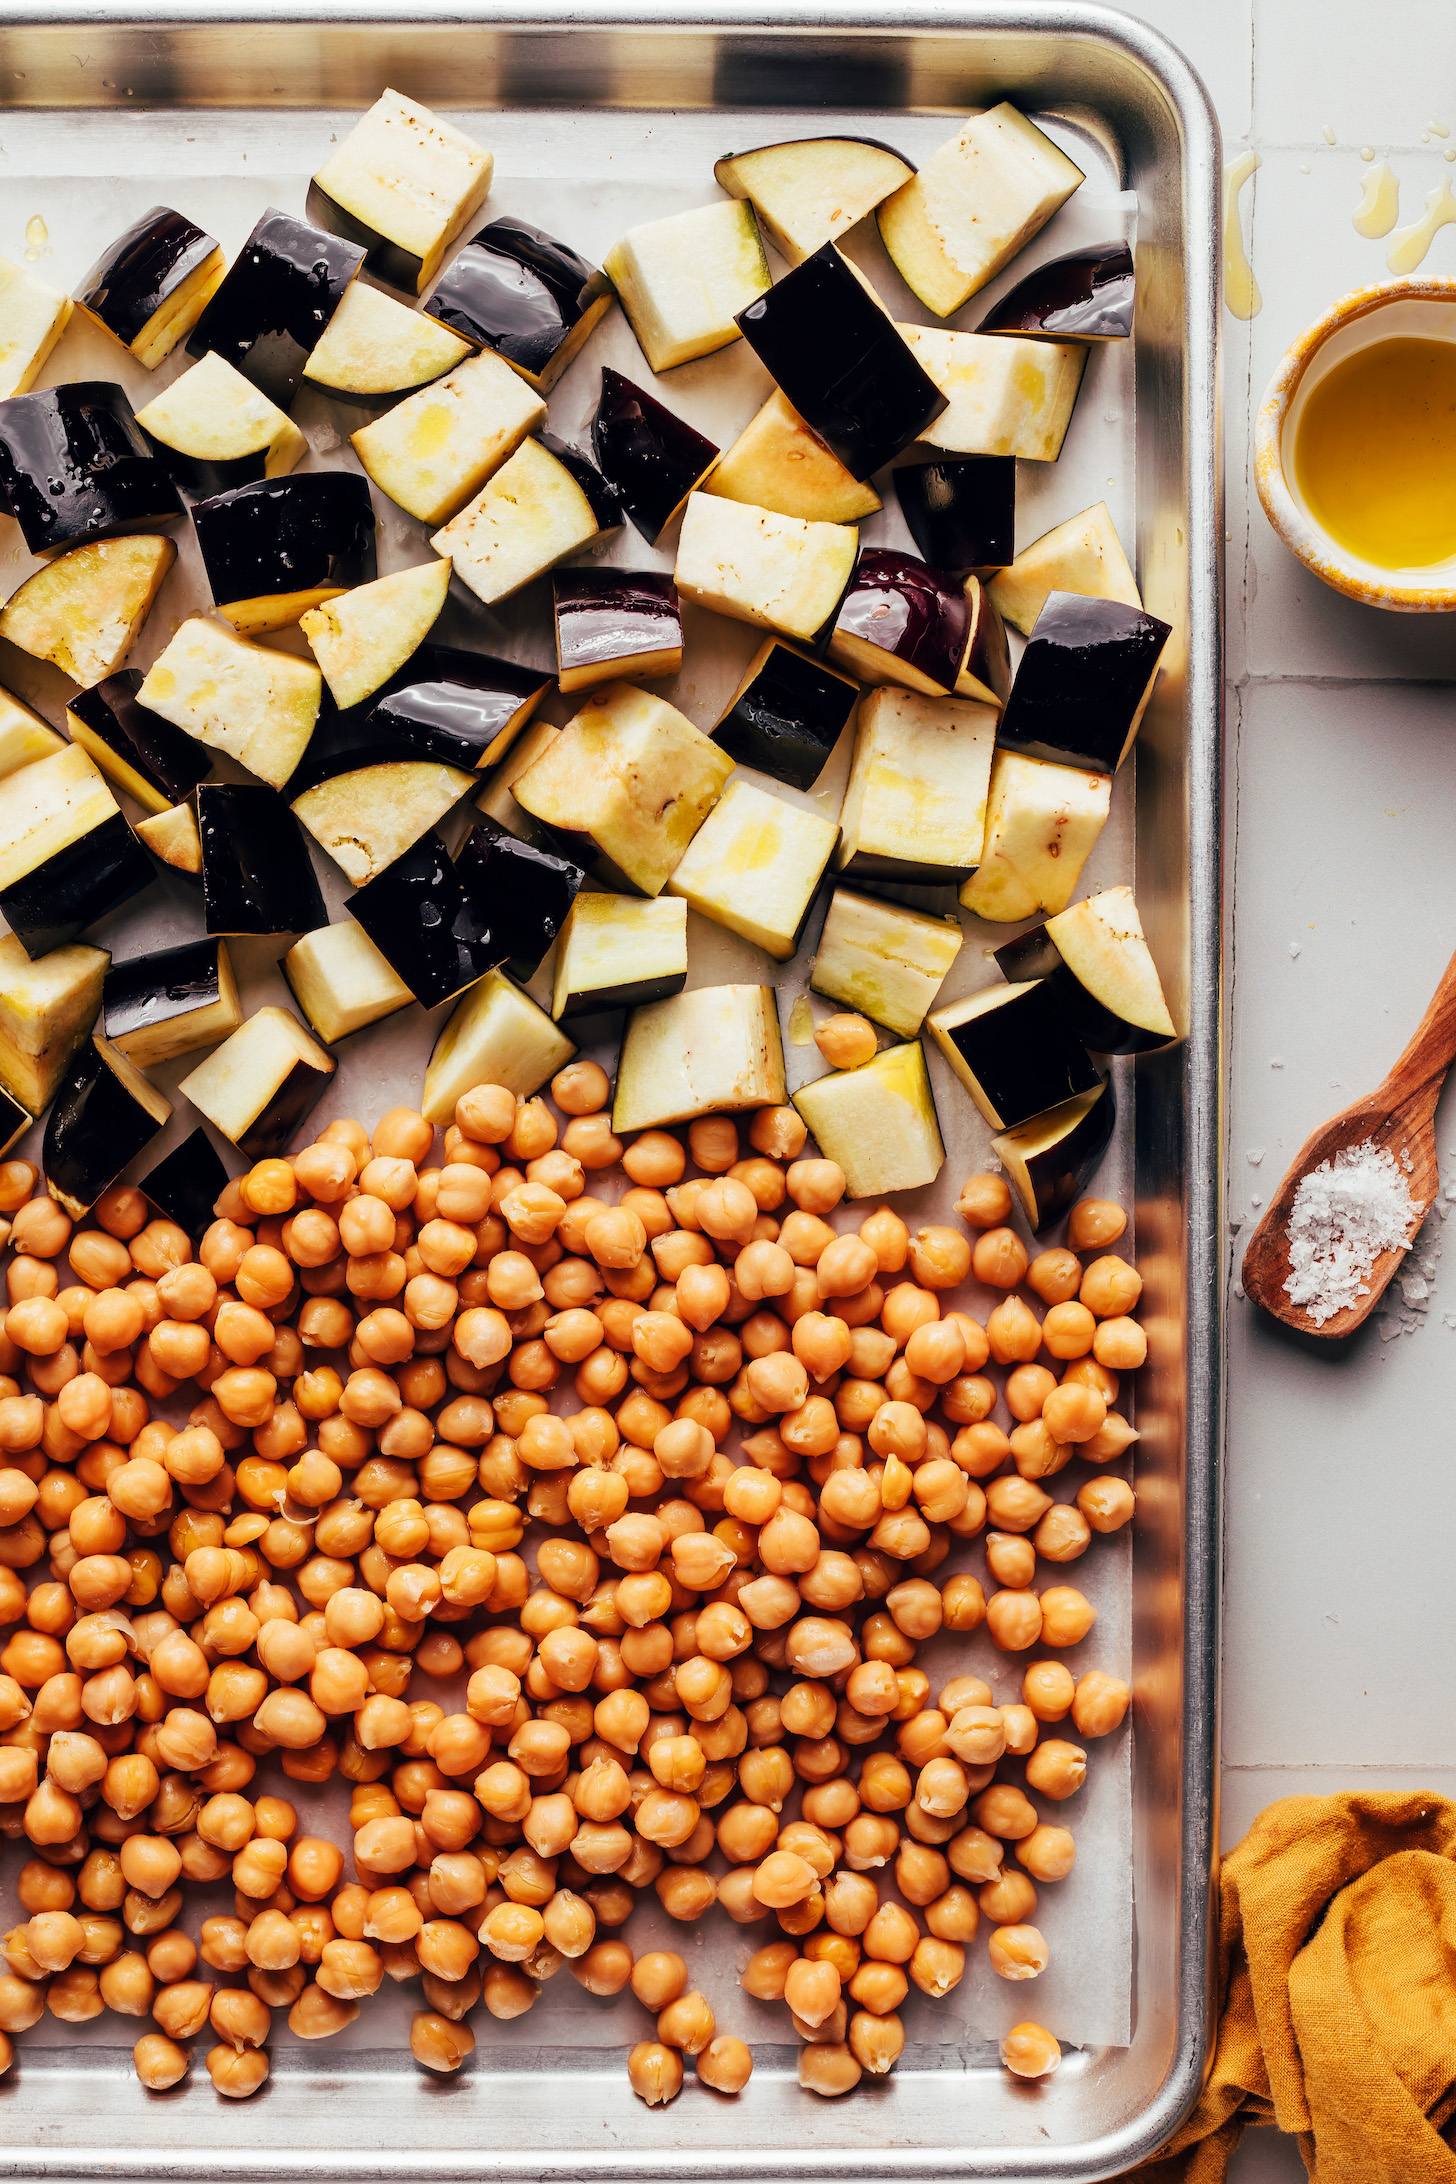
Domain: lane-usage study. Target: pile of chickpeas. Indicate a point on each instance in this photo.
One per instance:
(383, 1366)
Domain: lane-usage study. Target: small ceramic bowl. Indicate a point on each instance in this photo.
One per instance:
(1420, 308)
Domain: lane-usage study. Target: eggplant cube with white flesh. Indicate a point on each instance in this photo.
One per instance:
(777, 462)
(366, 806)
(1083, 682)
(527, 893)
(540, 506)
(261, 1085)
(280, 546)
(213, 429)
(985, 667)
(341, 981)
(878, 1122)
(257, 876)
(497, 1035)
(786, 715)
(435, 450)
(915, 807)
(75, 466)
(256, 705)
(977, 201)
(24, 736)
(812, 191)
(653, 457)
(497, 798)
(149, 287)
(34, 316)
(518, 292)
(104, 1112)
(275, 301)
(1014, 1051)
(754, 865)
(47, 1007)
(715, 1050)
(186, 1185)
(375, 348)
(632, 778)
(1050, 1160)
(84, 611)
(961, 510)
(1086, 295)
(1096, 959)
(616, 625)
(683, 280)
(901, 622)
(883, 960)
(838, 356)
(67, 855)
(155, 763)
(1041, 824)
(155, 1007)
(14, 1121)
(362, 637)
(776, 572)
(1082, 555)
(462, 708)
(1003, 395)
(427, 923)
(403, 183)
(172, 837)
(619, 952)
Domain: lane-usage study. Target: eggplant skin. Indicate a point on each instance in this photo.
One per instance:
(961, 511)
(149, 989)
(287, 535)
(257, 876)
(135, 275)
(167, 759)
(188, 1183)
(57, 900)
(14, 1121)
(653, 457)
(276, 1125)
(1101, 1029)
(455, 706)
(275, 301)
(607, 615)
(1088, 295)
(1082, 682)
(602, 496)
(908, 611)
(524, 892)
(787, 718)
(75, 465)
(516, 290)
(425, 923)
(1050, 1180)
(95, 1126)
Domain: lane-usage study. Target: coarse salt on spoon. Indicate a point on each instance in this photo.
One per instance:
(1397, 1118)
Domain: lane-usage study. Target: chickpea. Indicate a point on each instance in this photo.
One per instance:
(1119, 1344)
(1017, 1952)
(1029, 2050)
(1100, 1703)
(829, 2068)
(159, 2062)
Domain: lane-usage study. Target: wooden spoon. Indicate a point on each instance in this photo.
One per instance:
(1399, 1115)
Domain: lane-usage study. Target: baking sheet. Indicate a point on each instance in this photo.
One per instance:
(1086, 1992)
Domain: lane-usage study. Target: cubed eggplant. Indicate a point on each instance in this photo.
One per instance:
(837, 355)
(150, 287)
(985, 669)
(497, 798)
(651, 456)
(84, 611)
(900, 622)
(14, 1121)
(776, 572)
(1051, 1160)
(977, 200)
(434, 451)
(277, 297)
(375, 348)
(24, 736)
(213, 430)
(878, 1122)
(426, 924)
(136, 748)
(363, 637)
(403, 183)
(777, 462)
(618, 952)
(173, 839)
(1014, 1051)
(47, 1007)
(155, 1007)
(961, 511)
(1083, 682)
(279, 546)
(1088, 295)
(786, 715)
(527, 893)
(257, 876)
(915, 807)
(615, 625)
(75, 465)
(1041, 823)
(261, 1085)
(188, 1184)
(754, 865)
(887, 962)
(341, 981)
(67, 856)
(684, 279)
(462, 708)
(103, 1114)
(1005, 396)
(519, 292)
(1084, 555)
(538, 508)
(715, 1050)
(257, 705)
(632, 777)
(34, 316)
(368, 804)
(1097, 961)
(812, 191)
(497, 1035)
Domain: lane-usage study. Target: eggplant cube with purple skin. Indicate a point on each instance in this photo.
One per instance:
(84, 611)
(786, 715)
(1014, 1051)
(1096, 957)
(1082, 555)
(104, 1112)
(774, 571)
(256, 705)
(136, 748)
(539, 507)
(1087, 295)
(901, 622)
(813, 190)
(76, 466)
(619, 952)
(1050, 1160)
(341, 981)
(375, 348)
(35, 316)
(961, 511)
(684, 279)
(261, 1085)
(653, 457)
(777, 462)
(1004, 395)
(403, 183)
(754, 866)
(275, 301)
(915, 807)
(621, 625)
(213, 429)
(517, 291)
(1084, 682)
(275, 548)
(149, 288)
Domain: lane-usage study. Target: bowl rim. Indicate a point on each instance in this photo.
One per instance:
(1304, 539)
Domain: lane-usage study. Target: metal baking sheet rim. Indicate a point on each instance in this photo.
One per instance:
(1192, 1267)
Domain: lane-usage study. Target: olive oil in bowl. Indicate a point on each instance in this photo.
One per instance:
(1375, 452)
